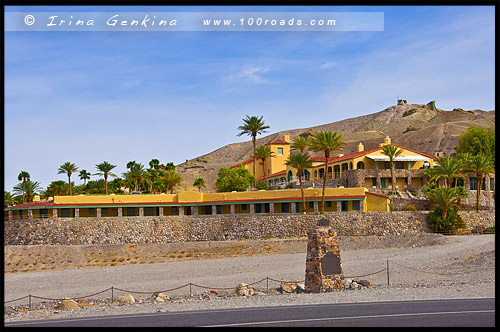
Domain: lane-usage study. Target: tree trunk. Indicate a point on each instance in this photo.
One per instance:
(69, 183)
(302, 191)
(327, 155)
(254, 161)
(478, 191)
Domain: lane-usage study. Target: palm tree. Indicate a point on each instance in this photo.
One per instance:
(134, 177)
(31, 189)
(253, 126)
(131, 164)
(392, 152)
(199, 182)
(55, 188)
(480, 165)
(154, 164)
(301, 162)
(84, 175)
(446, 198)
(448, 169)
(150, 176)
(300, 143)
(105, 170)
(431, 174)
(171, 178)
(263, 152)
(8, 199)
(23, 176)
(69, 169)
(326, 142)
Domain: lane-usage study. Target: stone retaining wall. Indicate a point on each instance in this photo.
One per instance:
(170, 229)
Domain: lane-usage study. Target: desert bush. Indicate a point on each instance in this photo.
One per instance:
(261, 185)
(410, 208)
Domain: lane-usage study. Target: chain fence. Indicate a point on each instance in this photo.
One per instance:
(190, 286)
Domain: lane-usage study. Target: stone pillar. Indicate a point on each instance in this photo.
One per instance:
(11, 215)
(141, 212)
(232, 209)
(339, 206)
(252, 208)
(181, 211)
(98, 212)
(293, 207)
(30, 214)
(54, 213)
(195, 210)
(271, 207)
(120, 212)
(316, 207)
(362, 206)
(323, 264)
(77, 213)
(214, 209)
(160, 211)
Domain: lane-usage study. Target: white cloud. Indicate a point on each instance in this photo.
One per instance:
(251, 74)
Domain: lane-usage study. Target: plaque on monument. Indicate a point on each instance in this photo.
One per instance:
(323, 222)
(330, 264)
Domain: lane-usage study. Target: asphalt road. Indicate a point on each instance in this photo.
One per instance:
(432, 313)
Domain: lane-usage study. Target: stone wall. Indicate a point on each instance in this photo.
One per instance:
(218, 228)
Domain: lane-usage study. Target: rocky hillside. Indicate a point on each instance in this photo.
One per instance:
(420, 126)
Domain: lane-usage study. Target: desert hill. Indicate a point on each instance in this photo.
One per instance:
(419, 126)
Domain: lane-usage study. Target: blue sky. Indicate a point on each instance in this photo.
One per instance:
(89, 97)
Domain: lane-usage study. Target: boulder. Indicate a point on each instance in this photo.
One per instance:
(243, 290)
(68, 304)
(159, 297)
(364, 283)
(125, 299)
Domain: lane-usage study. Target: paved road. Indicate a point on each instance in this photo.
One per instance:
(432, 313)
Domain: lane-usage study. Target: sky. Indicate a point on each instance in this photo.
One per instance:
(116, 96)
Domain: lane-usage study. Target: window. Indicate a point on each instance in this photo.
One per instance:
(44, 213)
(374, 182)
(328, 204)
(311, 205)
(104, 211)
(244, 207)
(344, 206)
(473, 183)
(492, 184)
(267, 208)
(218, 209)
(148, 211)
(91, 211)
(258, 208)
(387, 165)
(207, 209)
(130, 211)
(64, 213)
(280, 150)
(174, 209)
(285, 207)
(356, 206)
(399, 165)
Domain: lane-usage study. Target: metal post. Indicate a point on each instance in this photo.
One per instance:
(387, 273)
(190, 292)
(267, 280)
(112, 295)
(30, 301)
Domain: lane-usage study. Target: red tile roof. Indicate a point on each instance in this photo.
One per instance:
(283, 172)
(248, 161)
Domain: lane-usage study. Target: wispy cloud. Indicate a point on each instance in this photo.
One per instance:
(250, 74)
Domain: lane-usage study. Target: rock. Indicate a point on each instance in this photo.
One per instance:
(354, 285)
(125, 299)
(159, 297)
(68, 304)
(364, 283)
(243, 290)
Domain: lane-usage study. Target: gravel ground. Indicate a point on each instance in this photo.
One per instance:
(434, 267)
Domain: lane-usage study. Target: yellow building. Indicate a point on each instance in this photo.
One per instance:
(196, 203)
(363, 168)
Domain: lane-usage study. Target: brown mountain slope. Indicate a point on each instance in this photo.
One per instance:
(416, 126)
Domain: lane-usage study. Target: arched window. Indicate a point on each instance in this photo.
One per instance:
(307, 175)
(290, 176)
(360, 165)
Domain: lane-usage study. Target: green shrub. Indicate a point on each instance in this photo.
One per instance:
(261, 185)
(450, 224)
(410, 208)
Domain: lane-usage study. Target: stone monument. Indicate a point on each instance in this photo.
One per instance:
(323, 264)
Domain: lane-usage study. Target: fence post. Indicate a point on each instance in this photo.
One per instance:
(267, 282)
(30, 301)
(190, 292)
(112, 295)
(387, 273)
